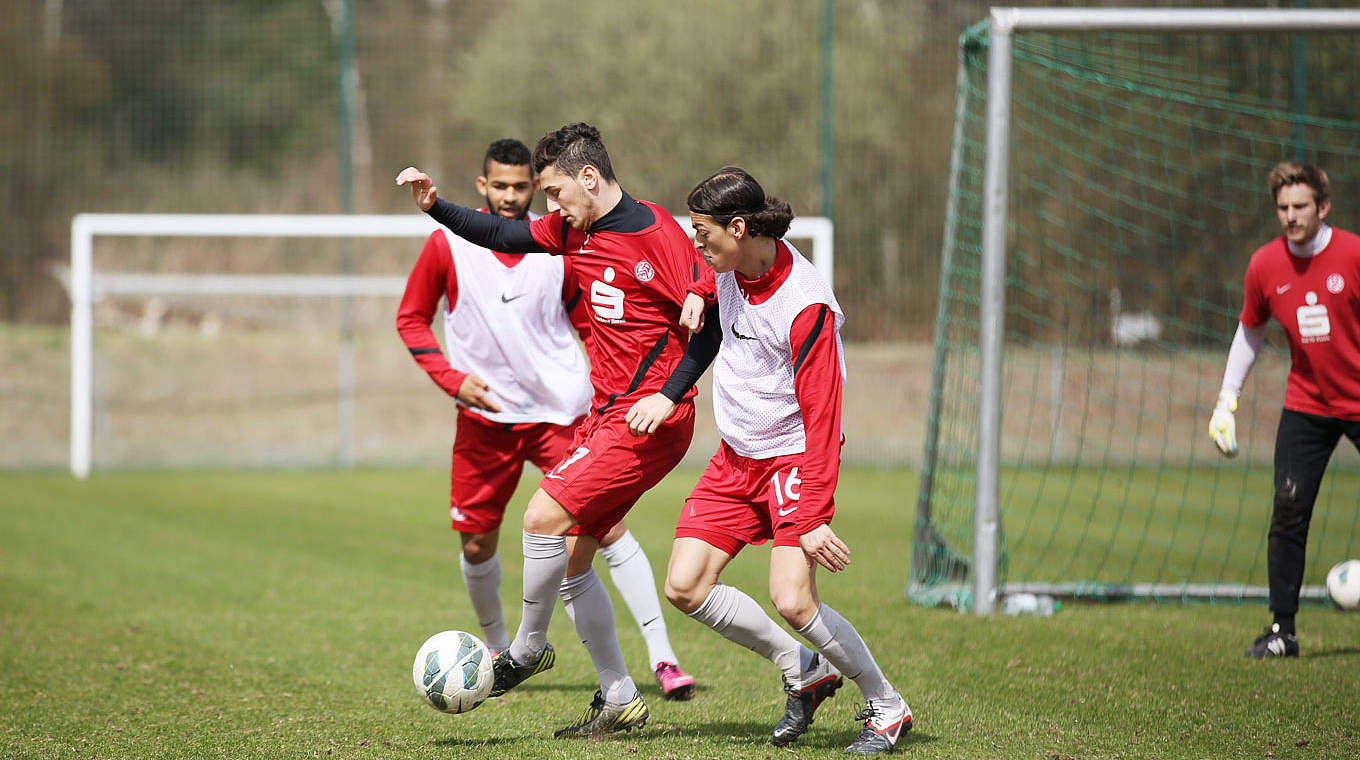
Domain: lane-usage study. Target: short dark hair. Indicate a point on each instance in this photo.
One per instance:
(571, 148)
(1295, 173)
(508, 151)
(731, 192)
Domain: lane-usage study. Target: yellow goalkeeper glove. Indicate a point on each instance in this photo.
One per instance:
(1222, 426)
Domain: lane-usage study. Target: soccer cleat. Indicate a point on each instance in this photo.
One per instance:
(675, 683)
(602, 718)
(1272, 643)
(804, 697)
(884, 722)
(509, 675)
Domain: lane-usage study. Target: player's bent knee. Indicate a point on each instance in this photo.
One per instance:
(796, 608)
(544, 516)
(685, 596)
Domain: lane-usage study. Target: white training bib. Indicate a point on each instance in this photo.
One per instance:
(753, 394)
(509, 328)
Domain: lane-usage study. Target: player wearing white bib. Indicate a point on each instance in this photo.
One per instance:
(774, 326)
(522, 386)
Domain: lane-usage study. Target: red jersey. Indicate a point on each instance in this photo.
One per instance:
(1317, 301)
(634, 279)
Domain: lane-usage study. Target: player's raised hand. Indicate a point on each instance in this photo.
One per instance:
(692, 313)
(1223, 426)
(473, 393)
(822, 545)
(645, 416)
(422, 187)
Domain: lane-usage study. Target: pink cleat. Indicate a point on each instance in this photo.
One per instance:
(675, 683)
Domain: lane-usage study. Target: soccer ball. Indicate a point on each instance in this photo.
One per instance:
(1343, 584)
(453, 671)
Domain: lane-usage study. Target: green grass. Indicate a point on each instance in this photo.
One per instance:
(275, 614)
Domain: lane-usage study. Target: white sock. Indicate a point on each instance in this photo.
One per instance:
(483, 581)
(738, 618)
(839, 642)
(545, 563)
(632, 576)
(587, 604)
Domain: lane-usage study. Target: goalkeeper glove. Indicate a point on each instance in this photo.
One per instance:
(1222, 426)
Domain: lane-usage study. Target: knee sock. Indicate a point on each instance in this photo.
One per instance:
(587, 604)
(545, 563)
(839, 642)
(632, 576)
(483, 582)
(738, 618)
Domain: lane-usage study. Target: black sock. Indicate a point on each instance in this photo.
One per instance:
(1285, 623)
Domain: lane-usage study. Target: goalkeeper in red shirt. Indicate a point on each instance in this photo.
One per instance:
(1308, 279)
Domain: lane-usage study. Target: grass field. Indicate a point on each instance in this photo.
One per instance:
(275, 614)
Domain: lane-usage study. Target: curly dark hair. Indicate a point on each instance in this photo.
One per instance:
(731, 192)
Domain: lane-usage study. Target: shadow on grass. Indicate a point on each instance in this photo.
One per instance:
(481, 741)
(757, 734)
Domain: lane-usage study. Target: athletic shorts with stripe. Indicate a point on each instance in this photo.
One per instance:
(608, 468)
(740, 501)
(488, 459)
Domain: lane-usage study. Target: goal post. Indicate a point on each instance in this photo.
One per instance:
(88, 284)
(1092, 180)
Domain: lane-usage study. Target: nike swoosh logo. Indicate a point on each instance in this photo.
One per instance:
(1282, 289)
(739, 335)
(508, 300)
(786, 512)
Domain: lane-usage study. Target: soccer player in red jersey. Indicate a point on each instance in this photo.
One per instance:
(503, 324)
(634, 264)
(774, 327)
(1308, 279)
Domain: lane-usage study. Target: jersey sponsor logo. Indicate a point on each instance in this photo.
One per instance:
(1314, 324)
(644, 271)
(787, 492)
(576, 456)
(508, 299)
(605, 299)
(1335, 283)
(739, 335)
(1283, 289)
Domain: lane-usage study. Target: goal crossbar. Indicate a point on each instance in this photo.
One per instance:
(86, 285)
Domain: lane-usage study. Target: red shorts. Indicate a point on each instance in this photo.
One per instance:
(740, 501)
(488, 459)
(609, 468)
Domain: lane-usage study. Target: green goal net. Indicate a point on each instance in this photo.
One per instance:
(1136, 196)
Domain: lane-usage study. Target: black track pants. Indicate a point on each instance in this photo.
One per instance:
(1303, 446)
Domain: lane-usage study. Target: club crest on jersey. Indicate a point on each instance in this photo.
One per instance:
(644, 271)
(1335, 283)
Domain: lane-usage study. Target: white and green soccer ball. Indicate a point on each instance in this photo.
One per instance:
(453, 671)
(1343, 584)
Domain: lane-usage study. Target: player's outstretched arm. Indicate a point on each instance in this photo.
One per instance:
(423, 190)
(822, 545)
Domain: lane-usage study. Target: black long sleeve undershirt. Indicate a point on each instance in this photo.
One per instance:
(489, 231)
(699, 354)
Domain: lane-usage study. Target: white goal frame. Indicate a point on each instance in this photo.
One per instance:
(1004, 22)
(87, 285)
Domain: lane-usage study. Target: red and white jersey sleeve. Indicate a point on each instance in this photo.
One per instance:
(818, 386)
(433, 277)
(1317, 302)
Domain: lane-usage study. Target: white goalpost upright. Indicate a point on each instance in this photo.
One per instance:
(1004, 23)
(87, 284)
